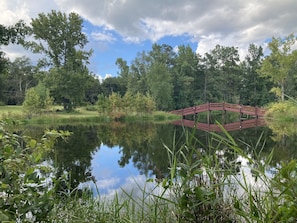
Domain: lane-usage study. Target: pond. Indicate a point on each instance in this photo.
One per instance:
(108, 157)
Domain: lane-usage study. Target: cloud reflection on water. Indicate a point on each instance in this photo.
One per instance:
(110, 178)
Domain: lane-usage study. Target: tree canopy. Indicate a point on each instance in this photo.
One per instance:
(279, 65)
(60, 38)
(173, 78)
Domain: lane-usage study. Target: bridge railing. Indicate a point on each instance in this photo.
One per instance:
(244, 109)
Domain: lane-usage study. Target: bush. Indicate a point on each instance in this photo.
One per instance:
(36, 99)
(25, 194)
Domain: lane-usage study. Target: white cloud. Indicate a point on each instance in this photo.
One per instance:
(102, 36)
(107, 183)
(230, 22)
(101, 78)
(238, 22)
(14, 10)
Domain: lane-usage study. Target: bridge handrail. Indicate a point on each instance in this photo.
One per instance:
(246, 109)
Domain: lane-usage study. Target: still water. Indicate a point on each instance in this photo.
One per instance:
(113, 156)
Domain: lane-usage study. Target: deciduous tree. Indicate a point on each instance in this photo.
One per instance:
(279, 64)
(60, 38)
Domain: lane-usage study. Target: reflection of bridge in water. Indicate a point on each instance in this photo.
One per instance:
(243, 124)
(255, 112)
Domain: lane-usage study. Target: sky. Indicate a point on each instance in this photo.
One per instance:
(110, 177)
(123, 28)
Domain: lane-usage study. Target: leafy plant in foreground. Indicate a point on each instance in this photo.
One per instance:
(25, 194)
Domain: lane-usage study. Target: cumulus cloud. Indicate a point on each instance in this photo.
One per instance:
(208, 22)
(153, 19)
(14, 10)
(103, 36)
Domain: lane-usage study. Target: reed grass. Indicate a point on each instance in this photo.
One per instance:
(214, 182)
(206, 183)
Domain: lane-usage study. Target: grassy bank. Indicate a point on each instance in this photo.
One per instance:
(55, 115)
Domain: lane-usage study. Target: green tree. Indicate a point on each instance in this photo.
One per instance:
(93, 89)
(124, 74)
(116, 105)
(113, 84)
(278, 66)
(222, 75)
(37, 98)
(20, 78)
(15, 35)
(103, 104)
(254, 89)
(138, 70)
(60, 38)
(185, 78)
(67, 87)
(160, 86)
(159, 79)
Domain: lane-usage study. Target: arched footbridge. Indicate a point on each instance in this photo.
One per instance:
(242, 109)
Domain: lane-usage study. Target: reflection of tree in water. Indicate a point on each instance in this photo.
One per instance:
(284, 147)
(284, 139)
(141, 143)
(74, 155)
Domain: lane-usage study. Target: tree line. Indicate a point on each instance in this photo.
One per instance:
(173, 79)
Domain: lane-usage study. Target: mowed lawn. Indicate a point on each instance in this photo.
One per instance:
(11, 110)
(17, 111)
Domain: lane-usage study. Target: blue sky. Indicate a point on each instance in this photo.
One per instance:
(106, 52)
(122, 28)
(110, 177)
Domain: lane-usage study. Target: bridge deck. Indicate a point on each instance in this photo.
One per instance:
(243, 109)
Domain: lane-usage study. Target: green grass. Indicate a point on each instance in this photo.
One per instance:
(56, 115)
(11, 109)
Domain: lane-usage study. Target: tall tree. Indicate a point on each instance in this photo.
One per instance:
(124, 74)
(280, 63)
(185, 78)
(254, 90)
(161, 60)
(60, 38)
(20, 78)
(160, 86)
(138, 72)
(222, 73)
(15, 35)
(113, 85)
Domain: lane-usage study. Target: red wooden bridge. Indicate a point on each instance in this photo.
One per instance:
(242, 109)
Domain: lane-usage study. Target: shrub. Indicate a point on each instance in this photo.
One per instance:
(25, 194)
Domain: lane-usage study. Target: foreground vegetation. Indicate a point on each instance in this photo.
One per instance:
(216, 182)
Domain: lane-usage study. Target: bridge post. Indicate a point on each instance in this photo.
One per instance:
(240, 113)
(208, 114)
(224, 111)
